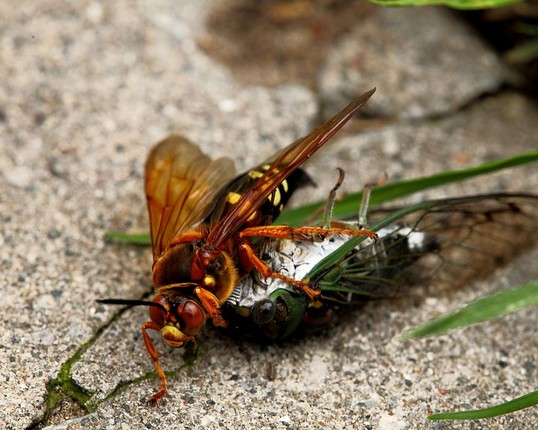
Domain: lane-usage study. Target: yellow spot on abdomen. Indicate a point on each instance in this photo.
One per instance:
(276, 197)
(233, 198)
(255, 174)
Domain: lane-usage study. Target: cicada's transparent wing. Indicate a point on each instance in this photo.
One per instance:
(446, 242)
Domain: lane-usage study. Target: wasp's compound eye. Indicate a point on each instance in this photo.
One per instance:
(192, 316)
(263, 311)
(157, 314)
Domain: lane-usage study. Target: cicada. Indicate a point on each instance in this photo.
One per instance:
(207, 226)
(446, 242)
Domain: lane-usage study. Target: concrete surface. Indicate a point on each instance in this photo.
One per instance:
(416, 71)
(87, 88)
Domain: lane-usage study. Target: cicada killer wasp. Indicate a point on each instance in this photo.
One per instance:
(205, 236)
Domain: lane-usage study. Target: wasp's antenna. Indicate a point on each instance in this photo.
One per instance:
(130, 303)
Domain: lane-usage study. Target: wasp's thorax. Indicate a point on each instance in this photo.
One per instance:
(174, 266)
(187, 266)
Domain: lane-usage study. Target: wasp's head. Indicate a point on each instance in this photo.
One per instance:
(179, 318)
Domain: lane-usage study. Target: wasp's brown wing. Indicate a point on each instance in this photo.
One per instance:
(445, 243)
(285, 163)
(181, 185)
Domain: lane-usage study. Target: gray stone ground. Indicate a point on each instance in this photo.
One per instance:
(87, 88)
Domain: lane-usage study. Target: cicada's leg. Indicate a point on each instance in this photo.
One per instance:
(211, 304)
(326, 212)
(154, 354)
(329, 207)
(247, 252)
(365, 200)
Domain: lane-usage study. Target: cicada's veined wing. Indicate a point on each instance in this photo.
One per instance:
(181, 186)
(446, 242)
(284, 164)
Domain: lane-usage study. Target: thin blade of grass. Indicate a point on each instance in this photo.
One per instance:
(139, 239)
(456, 4)
(517, 404)
(348, 206)
(523, 53)
(487, 308)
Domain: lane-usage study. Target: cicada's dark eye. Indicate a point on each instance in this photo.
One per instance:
(156, 314)
(263, 311)
(192, 317)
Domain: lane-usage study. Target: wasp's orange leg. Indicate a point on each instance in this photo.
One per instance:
(266, 272)
(188, 237)
(154, 354)
(211, 304)
(301, 233)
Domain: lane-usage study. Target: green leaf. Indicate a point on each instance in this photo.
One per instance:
(456, 4)
(347, 207)
(517, 404)
(493, 306)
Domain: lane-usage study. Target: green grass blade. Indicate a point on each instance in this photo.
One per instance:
(523, 53)
(517, 404)
(456, 4)
(140, 239)
(347, 207)
(493, 306)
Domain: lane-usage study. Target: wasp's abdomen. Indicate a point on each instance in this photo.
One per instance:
(278, 199)
(273, 204)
